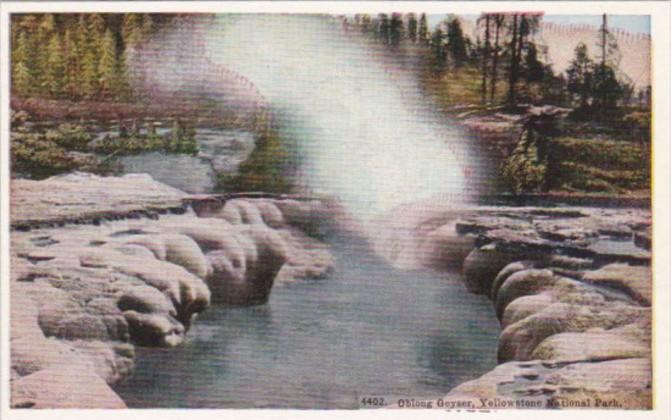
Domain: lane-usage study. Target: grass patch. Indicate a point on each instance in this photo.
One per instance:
(458, 86)
(600, 153)
(600, 165)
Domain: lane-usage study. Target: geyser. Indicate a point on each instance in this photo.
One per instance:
(354, 114)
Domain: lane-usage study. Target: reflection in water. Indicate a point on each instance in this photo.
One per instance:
(367, 330)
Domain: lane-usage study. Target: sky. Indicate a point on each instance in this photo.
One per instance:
(629, 23)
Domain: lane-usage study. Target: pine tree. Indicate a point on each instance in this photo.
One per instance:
(122, 87)
(395, 30)
(412, 27)
(456, 43)
(108, 65)
(499, 20)
(486, 19)
(366, 23)
(23, 80)
(607, 45)
(54, 74)
(73, 71)
(423, 31)
(383, 28)
(96, 24)
(131, 29)
(580, 76)
(437, 45)
(607, 89)
(534, 71)
(46, 27)
(147, 24)
(88, 42)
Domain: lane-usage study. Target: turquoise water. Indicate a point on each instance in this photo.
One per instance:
(367, 330)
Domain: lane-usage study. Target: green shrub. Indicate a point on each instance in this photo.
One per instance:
(35, 156)
(266, 169)
(69, 136)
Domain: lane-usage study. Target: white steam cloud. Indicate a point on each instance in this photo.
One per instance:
(360, 123)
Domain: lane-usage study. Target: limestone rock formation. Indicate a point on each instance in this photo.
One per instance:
(572, 289)
(115, 262)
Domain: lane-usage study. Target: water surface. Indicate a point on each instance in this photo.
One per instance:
(367, 330)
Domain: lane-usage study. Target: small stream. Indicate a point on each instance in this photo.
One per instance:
(367, 330)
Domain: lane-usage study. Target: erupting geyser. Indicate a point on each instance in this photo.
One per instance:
(349, 108)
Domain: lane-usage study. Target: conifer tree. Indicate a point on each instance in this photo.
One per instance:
(485, 19)
(366, 23)
(88, 61)
(395, 30)
(108, 66)
(423, 31)
(499, 20)
(580, 76)
(147, 24)
(72, 82)
(456, 44)
(437, 45)
(54, 74)
(22, 77)
(96, 24)
(383, 28)
(122, 88)
(412, 27)
(132, 30)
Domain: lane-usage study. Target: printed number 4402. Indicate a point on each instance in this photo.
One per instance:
(372, 401)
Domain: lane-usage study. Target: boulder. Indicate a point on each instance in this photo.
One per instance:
(636, 281)
(618, 384)
(249, 214)
(32, 354)
(305, 215)
(444, 249)
(248, 281)
(184, 251)
(271, 215)
(209, 233)
(526, 306)
(591, 345)
(522, 283)
(307, 258)
(147, 300)
(140, 251)
(519, 340)
(621, 383)
(481, 267)
(111, 361)
(507, 271)
(188, 293)
(154, 330)
(64, 386)
(154, 243)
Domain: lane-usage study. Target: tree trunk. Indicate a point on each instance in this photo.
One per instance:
(498, 20)
(485, 58)
(512, 74)
(604, 32)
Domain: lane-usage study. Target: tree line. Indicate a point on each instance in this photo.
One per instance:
(76, 56)
(83, 56)
(511, 59)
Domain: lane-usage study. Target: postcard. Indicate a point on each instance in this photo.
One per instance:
(335, 209)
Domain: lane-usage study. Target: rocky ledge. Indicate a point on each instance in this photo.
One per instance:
(99, 265)
(572, 288)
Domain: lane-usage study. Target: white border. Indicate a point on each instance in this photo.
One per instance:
(661, 45)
